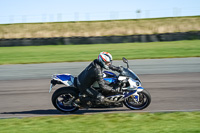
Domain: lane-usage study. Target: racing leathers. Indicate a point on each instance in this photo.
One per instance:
(92, 73)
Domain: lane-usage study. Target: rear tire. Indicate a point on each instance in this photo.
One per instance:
(144, 101)
(63, 99)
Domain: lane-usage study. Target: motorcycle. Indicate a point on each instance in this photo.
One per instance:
(68, 98)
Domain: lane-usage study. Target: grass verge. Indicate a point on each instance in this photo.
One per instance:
(72, 53)
(101, 28)
(178, 122)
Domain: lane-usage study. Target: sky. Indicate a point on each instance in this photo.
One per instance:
(26, 11)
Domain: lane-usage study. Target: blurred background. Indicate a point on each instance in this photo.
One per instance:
(172, 27)
(63, 18)
(32, 11)
(27, 23)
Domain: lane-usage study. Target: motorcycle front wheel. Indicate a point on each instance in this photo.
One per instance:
(144, 101)
(63, 99)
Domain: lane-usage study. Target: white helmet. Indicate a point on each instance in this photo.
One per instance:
(105, 57)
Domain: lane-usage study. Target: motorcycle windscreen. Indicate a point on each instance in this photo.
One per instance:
(129, 73)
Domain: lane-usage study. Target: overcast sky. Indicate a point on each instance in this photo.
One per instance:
(17, 11)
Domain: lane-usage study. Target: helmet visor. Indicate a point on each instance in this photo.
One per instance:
(108, 63)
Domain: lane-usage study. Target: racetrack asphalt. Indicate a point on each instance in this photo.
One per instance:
(174, 85)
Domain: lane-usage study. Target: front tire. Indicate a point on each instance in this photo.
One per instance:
(144, 101)
(63, 99)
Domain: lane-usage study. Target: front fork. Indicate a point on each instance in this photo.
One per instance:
(135, 96)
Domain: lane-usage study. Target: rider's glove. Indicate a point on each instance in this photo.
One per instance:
(114, 68)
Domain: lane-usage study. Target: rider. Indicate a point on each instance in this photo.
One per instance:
(94, 72)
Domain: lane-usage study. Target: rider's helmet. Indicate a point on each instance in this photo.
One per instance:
(105, 59)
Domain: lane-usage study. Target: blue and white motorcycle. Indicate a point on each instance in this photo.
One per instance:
(134, 96)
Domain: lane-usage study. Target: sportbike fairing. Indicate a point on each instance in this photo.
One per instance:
(134, 85)
(66, 79)
(110, 77)
(132, 95)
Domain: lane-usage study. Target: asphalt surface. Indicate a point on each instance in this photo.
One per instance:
(174, 85)
(146, 66)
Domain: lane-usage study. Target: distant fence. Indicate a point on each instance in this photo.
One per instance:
(105, 15)
(100, 39)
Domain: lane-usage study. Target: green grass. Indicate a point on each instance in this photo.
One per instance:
(178, 122)
(101, 28)
(72, 53)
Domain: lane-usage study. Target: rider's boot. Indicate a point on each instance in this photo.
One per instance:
(84, 101)
(100, 99)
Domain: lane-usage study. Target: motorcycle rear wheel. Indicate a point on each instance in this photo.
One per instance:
(144, 101)
(63, 99)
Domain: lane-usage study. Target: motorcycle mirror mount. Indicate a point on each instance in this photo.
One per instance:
(125, 61)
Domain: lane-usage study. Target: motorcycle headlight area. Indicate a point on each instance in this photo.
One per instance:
(138, 83)
(133, 83)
